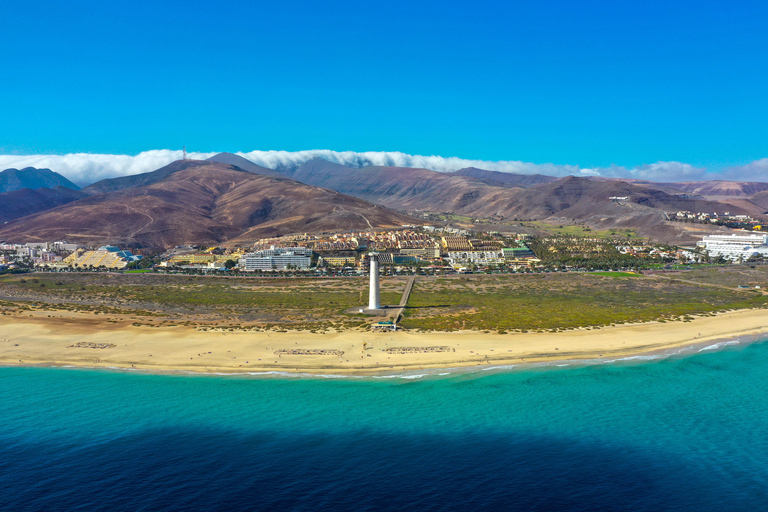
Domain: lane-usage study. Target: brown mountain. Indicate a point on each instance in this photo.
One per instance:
(200, 202)
(402, 188)
(22, 202)
(138, 180)
(579, 198)
(505, 179)
(718, 188)
(242, 163)
(760, 199)
(573, 200)
(32, 178)
(564, 200)
(582, 198)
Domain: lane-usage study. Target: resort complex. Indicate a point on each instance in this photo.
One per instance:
(735, 247)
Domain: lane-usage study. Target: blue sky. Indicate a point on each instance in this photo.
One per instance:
(579, 83)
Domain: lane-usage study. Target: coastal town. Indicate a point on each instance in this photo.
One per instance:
(409, 249)
(384, 256)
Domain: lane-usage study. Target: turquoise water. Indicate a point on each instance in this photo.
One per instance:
(682, 433)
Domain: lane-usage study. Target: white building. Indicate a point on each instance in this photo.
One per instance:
(475, 257)
(735, 247)
(276, 258)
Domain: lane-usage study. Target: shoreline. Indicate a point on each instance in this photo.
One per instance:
(40, 341)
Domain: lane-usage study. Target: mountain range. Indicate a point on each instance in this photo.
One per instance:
(480, 193)
(193, 201)
(230, 199)
(33, 179)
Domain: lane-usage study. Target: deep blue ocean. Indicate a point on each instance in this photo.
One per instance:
(682, 433)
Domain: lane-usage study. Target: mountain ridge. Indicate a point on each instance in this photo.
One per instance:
(25, 201)
(33, 179)
(242, 163)
(201, 202)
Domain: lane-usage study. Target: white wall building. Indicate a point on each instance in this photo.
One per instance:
(276, 258)
(475, 257)
(735, 247)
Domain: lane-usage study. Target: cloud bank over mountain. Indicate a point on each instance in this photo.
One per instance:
(756, 170)
(85, 168)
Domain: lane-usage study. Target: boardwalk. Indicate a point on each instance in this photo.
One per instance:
(398, 310)
(407, 291)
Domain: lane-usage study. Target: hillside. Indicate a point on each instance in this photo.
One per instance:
(401, 188)
(22, 202)
(200, 202)
(718, 188)
(505, 179)
(143, 179)
(581, 198)
(760, 199)
(562, 200)
(31, 178)
(242, 163)
(573, 197)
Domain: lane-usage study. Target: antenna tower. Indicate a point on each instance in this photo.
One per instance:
(184, 153)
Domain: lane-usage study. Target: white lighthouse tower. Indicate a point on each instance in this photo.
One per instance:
(374, 301)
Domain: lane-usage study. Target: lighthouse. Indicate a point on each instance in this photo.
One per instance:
(374, 301)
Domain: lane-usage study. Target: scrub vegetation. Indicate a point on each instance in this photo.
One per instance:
(551, 302)
(494, 303)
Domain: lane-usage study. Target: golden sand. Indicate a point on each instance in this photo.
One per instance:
(82, 341)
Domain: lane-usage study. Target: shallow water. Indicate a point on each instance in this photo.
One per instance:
(680, 433)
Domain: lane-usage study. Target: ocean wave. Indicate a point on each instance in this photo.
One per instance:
(409, 376)
(643, 358)
(720, 345)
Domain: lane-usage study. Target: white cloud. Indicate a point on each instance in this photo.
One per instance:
(660, 171)
(756, 170)
(292, 159)
(84, 168)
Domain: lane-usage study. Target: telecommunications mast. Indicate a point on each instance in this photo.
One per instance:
(184, 153)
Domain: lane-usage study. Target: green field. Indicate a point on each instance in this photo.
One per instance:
(615, 274)
(582, 231)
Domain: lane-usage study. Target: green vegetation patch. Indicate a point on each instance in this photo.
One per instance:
(301, 303)
(615, 274)
(560, 301)
(583, 231)
(495, 303)
(731, 276)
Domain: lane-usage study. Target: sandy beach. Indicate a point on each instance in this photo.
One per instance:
(88, 342)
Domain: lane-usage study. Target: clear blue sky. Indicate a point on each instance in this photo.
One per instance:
(587, 83)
